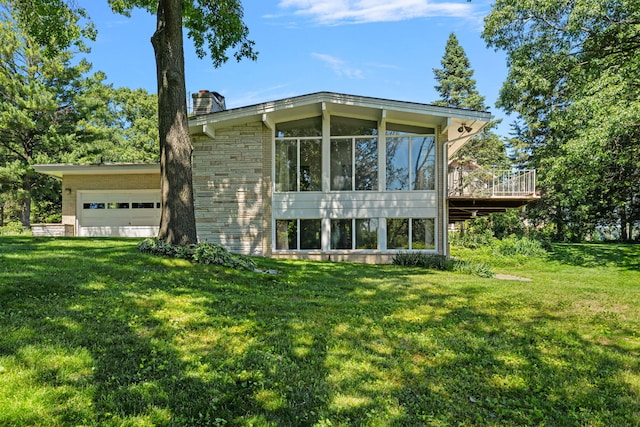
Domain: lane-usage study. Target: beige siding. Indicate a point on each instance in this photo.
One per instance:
(71, 184)
(231, 187)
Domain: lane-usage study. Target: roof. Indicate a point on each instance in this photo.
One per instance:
(456, 124)
(61, 169)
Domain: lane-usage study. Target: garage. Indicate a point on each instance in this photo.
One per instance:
(133, 213)
(106, 199)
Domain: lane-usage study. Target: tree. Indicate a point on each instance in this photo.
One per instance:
(44, 99)
(573, 81)
(130, 123)
(215, 27)
(456, 85)
(219, 25)
(457, 89)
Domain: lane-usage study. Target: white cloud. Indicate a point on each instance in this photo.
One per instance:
(338, 66)
(333, 12)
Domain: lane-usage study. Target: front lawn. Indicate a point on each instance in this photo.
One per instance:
(93, 332)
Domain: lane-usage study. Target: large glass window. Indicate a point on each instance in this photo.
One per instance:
(367, 233)
(354, 154)
(411, 158)
(414, 233)
(293, 234)
(310, 233)
(286, 234)
(311, 126)
(298, 155)
(299, 164)
(341, 234)
(354, 233)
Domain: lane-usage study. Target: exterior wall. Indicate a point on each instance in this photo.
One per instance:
(52, 230)
(231, 188)
(71, 184)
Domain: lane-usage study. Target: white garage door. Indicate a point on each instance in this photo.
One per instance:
(132, 213)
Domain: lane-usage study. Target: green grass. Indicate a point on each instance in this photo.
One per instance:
(92, 332)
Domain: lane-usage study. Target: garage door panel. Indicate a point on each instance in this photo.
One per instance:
(133, 213)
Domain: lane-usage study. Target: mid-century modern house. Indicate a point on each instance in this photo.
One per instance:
(318, 176)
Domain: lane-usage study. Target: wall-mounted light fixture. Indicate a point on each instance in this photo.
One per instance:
(464, 127)
(68, 190)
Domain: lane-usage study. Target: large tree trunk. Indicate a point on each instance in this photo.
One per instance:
(177, 222)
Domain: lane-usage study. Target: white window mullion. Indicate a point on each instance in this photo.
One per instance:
(298, 164)
(410, 234)
(353, 233)
(353, 164)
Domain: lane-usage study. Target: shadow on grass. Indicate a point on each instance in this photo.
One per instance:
(626, 256)
(102, 334)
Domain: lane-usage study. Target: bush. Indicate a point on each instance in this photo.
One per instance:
(12, 228)
(202, 253)
(441, 262)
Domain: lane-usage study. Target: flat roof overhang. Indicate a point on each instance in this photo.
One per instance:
(456, 125)
(463, 208)
(61, 169)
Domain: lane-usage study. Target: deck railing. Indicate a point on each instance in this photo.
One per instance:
(478, 182)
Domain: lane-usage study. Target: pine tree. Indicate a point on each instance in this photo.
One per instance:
(456, 87)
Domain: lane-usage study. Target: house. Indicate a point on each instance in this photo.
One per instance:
(318, 176)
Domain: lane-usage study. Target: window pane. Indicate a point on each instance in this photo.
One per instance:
(286, 165)
(397, 163)
(286, 234)
(311, 126)
(117, 205)
(397, 233)
(422, 233)
(93, 206)
(341, 234)
(346, 126)
(311, 165)
(310, 233)
(366, 234)
(142, 205)
(366, 164)
(424, 161)
(397, 129)
(341, 164)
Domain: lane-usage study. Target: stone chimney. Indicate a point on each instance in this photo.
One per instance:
(205, 102)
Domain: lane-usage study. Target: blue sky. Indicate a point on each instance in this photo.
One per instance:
(377, 48)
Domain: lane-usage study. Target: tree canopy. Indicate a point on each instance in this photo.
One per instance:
(572, 80)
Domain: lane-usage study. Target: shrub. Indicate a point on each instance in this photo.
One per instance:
(441, 262)
(202, 253)
(12, 228)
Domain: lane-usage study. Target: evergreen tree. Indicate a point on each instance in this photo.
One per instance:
(45, 100)
(457, 89)
(456, 85)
